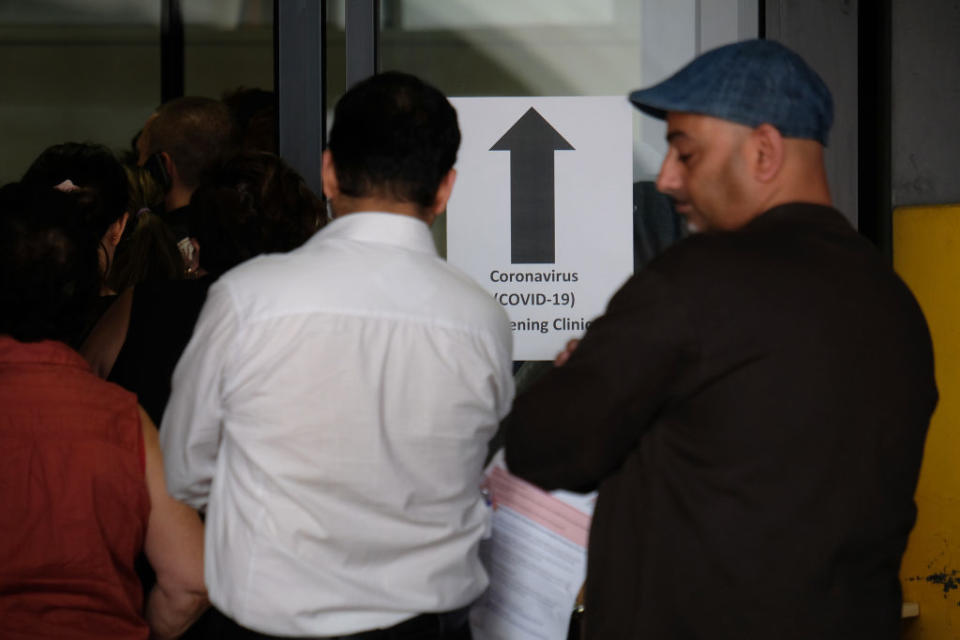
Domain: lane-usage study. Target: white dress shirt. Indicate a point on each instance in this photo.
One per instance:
(332, 413)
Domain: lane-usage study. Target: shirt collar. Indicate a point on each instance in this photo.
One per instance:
(382, 228)
(43, 352)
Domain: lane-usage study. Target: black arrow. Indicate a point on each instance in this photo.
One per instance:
(531, 142)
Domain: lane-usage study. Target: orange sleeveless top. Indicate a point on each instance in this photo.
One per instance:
(73, 498)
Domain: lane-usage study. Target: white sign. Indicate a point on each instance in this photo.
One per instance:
(542, 210)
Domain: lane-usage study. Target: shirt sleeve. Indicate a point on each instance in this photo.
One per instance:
(579, 422)
(502, 364)
(192, 423)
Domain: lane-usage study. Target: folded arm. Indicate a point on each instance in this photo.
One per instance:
(579, 422)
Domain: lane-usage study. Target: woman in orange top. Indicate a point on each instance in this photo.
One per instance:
(81, 488)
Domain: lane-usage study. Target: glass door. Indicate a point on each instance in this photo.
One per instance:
(566, 48)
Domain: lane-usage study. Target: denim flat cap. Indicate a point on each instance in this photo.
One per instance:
(751, 82)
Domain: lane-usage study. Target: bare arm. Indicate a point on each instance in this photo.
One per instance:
(174, 547)
(103, 345)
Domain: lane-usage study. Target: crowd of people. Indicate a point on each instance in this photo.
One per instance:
(103, 281)
(233, 408)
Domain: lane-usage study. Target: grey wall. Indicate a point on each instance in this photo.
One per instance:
(925, 116)
(824, 32)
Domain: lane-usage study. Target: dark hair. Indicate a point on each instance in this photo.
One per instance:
(255, 116)
(149, 254)
(49, 270)
(395, 136)
(253, 204)
(197, 132)
(88, 165)
(148, 250)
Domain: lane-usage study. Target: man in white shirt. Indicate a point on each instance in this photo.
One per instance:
(333, 409)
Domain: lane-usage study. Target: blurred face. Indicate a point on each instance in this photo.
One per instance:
(705, 171)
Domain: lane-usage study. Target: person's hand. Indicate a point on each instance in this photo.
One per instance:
(564, 355)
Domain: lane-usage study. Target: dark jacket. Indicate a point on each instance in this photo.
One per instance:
(752, 407)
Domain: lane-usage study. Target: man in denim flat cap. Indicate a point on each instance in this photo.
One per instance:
(753, 404)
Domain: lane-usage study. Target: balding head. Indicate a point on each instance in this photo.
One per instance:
(746, 127)
(721, 174)
(196, 133)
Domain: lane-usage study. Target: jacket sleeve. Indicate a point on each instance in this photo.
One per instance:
(579, 422)
(192, 423)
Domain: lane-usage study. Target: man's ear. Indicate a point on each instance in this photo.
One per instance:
(170, 168)
(443, 193)
(768, 152)
(328, 175)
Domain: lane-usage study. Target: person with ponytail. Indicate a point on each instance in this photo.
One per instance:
(148, 251)
(82, 490)
(76, 165)
(254, 203)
